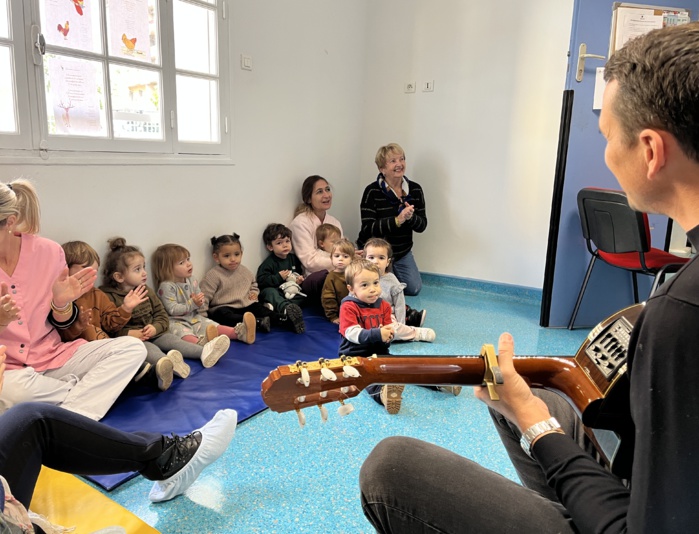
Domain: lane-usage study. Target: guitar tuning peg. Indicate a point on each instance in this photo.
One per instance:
(301, 398)
(328, 374)
(350, 372)
(302, 418)
(323, 394)
(323, 413)
(344, 389)
(345, 409)
(305, 377)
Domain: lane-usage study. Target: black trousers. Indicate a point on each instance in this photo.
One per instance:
(33, 433)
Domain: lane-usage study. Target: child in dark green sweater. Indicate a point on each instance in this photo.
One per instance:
(279, 278)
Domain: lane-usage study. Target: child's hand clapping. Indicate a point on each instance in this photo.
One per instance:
(198, 299)
(386, 333)
(9, 311)
(252, 296)
(84, 318)
(134, 297)
(285, 274)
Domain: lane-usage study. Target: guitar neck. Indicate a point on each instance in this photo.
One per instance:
(562, 374)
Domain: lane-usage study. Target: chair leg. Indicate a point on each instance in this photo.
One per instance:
(582, 292)
(635, 287)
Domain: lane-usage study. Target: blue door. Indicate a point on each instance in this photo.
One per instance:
(581, 164)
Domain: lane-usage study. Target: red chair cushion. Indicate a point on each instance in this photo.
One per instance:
(655, 259)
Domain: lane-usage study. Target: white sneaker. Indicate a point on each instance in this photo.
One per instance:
(179, 368)
(216, 435)
(213, 350)
(163, 372)
(425, 334)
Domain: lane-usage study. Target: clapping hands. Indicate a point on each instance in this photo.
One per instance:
(9, 311)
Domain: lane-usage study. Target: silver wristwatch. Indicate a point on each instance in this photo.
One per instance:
(536, 430)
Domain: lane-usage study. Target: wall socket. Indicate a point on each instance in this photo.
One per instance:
(409, 87)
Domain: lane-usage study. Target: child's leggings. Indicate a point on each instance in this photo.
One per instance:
(157, 348)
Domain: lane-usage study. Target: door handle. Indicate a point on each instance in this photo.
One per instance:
(582, 56)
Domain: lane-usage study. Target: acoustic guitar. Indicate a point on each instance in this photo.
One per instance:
(594, 382)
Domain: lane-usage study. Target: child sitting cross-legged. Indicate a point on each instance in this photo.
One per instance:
(279, 278)
(125, 270)
(182, 299)
(99, 317)
(379, 252)
(335, 286)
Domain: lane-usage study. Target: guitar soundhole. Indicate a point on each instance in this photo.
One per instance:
(609, 348)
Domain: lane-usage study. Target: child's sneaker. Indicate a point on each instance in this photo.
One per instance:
(143, 371)
(454, 390)
(211, 332)
(392, 397)
(264, 324)
(245, 331)
(425, 334)
(163, 372)
(414, 317)
(295, 316)
(213, 350)
(179, 368)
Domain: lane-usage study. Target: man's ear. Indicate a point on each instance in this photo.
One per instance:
(654, 146)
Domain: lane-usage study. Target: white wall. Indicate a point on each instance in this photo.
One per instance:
(297, 113)
(483, 144)
(325, 92)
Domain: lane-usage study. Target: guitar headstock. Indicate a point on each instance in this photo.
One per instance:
(304, 384)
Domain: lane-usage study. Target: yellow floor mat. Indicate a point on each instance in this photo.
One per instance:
(68, 501)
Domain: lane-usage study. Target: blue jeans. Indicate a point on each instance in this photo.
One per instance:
(407, 272)
(409, 486)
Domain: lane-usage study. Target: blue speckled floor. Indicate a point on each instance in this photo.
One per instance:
(278, 478)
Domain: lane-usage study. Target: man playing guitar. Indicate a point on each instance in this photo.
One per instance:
(650, 119)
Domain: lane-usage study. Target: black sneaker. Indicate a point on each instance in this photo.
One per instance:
(177, 452)
(263, 324)
(414, 317)
(295, 316)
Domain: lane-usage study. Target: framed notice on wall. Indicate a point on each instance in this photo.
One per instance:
(632, 20)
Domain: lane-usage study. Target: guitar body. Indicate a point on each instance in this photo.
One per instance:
(594, 381)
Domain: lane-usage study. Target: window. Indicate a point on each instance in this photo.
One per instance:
(128, 76)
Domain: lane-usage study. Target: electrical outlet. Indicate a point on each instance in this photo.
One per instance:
(409, 87)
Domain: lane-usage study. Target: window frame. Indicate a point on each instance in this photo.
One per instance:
(34, 140)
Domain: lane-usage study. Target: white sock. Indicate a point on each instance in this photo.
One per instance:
(215, 437)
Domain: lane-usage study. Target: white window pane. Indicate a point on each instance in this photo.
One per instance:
(75, 96)
(72, 24)
(8, 113)
(136, 103)
(196, 38)
(132, 26)
(4, 20)
(197, 110)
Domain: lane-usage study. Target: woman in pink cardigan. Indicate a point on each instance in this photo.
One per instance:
(84, 377)
(317, 199)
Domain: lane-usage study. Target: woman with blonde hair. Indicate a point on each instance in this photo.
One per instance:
(84, 377)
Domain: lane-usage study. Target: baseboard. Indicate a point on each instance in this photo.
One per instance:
(510, 291)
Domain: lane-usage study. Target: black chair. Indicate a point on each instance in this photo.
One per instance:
(619, 236)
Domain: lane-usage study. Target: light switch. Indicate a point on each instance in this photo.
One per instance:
(428, 86)
(245, 62)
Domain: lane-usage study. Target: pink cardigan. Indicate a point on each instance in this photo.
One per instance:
(33, 341)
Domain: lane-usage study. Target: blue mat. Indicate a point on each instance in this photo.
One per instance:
(233, 383)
